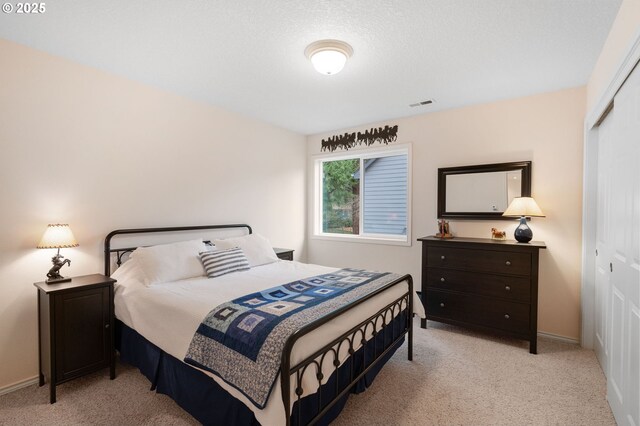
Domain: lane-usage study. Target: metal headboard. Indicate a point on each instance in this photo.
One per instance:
(124, 250)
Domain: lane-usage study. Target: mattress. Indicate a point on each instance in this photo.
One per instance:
(168, 314)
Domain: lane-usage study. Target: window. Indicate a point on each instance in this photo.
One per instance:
(363, 196)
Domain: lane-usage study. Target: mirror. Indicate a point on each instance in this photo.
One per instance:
(482, 191)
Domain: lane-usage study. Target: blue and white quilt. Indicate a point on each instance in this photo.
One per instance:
(241, 341)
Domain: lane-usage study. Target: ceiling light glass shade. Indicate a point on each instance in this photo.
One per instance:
(328, 56)
(57, 236)
(523, 206)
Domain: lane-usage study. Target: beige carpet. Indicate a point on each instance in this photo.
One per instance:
(457, 377)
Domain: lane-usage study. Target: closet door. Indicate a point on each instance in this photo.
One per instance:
(602, 283)
(623, 223)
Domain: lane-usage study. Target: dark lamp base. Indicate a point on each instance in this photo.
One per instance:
(57, 280)
(523, 233)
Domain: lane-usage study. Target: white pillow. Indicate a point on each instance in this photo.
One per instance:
(256, 247)
(128, 272)
(170, 262)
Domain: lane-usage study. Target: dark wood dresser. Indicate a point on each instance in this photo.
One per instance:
(76, 324)
(486, 284)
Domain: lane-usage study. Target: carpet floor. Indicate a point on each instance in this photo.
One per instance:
(458, 377)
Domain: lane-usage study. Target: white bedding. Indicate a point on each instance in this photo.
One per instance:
(168, 314)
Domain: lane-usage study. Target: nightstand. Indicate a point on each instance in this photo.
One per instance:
(284, 254)
(76, 325)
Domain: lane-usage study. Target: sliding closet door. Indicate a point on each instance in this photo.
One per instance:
(619, 251)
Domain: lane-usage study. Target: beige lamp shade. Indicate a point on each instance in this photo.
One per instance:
(523, 206)
(57, 236)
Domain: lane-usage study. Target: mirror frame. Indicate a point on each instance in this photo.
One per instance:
(525, 191)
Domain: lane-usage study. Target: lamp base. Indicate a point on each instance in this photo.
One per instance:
(523, 233)
(53, 276)
(57, 280)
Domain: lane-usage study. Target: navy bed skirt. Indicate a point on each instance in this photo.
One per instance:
(210, 404)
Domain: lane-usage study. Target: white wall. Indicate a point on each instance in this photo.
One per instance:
(623, 32)
(99, 152)
(546, 129)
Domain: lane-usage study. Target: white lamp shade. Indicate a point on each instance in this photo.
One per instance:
(58, 236)
(328, 56)
(523, 206)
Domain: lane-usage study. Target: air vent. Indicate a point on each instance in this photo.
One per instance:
(422, 103)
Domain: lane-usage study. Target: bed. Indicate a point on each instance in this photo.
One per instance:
(319, 364)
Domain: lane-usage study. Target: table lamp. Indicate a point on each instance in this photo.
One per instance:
(523, 207)
(57, 236)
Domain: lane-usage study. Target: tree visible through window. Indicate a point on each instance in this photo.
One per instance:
(365, 195)
(340, 197)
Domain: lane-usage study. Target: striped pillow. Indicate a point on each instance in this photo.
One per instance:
(221, 262)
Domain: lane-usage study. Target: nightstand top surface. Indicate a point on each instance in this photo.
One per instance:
(76, 282)
(281, 250)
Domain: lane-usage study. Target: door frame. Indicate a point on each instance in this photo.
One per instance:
(590, 184)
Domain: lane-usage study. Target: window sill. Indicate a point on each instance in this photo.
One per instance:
(406, 241)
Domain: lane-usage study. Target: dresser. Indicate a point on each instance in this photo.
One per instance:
(486, 284)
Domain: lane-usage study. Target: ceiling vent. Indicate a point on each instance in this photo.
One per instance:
(422, 103)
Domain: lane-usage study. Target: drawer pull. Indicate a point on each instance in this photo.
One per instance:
(506, 316)
(442, 279)
(106, 326)
(508, 263)
(442, 257)
(507, 288)
(442, 305)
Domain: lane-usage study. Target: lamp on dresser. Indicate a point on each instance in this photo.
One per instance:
(57, 236)
(523, 207)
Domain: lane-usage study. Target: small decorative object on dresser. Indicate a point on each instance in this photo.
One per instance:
(482, 283)
(284, 253)
(443, 227)
(76, 323)
(57, 236)
(498, 235)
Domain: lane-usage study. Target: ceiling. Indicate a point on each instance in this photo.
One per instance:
(248, 56)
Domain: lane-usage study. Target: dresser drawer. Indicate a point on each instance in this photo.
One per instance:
(498, 314)
(495, 262)
(503, 286)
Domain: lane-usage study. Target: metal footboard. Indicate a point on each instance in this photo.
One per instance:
(292, 375)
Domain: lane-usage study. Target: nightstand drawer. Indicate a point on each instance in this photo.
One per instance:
(496, 262)
(503, 315)
(502, 286)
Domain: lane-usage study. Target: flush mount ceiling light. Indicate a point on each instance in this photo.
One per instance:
(328, 56)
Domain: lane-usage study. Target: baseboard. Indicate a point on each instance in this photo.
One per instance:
(19, 385)
(558, 338)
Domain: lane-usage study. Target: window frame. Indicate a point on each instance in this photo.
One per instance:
(361, 154)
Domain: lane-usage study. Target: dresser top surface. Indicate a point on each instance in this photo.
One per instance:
(458, 240)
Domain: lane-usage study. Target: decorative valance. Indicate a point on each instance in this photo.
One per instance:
(384, 135)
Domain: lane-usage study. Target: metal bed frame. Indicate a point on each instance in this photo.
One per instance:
(374, 325)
